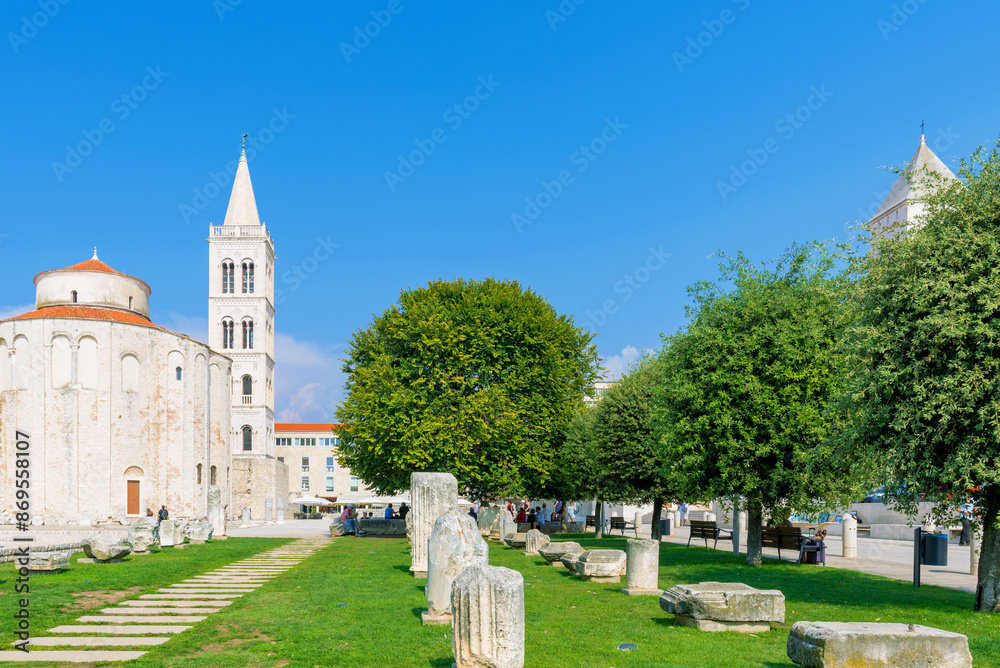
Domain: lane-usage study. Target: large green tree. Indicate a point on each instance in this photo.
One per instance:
(741, 410)
(629, 460)
(475, 378)
(923, 400)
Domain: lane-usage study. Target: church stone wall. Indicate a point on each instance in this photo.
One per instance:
(254, 480)
(117, 413)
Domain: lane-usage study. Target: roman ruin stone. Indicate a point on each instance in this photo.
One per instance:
(454, 545)
(724, 606)
(488, 625)
(433, 494)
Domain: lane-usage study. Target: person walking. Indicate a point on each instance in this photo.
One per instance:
(965, 517)
(682, 508)
(161, 515)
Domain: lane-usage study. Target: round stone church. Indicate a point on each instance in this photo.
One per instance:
(121, 414)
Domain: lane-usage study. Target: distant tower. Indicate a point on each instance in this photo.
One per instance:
(905, 202)
(241, 324)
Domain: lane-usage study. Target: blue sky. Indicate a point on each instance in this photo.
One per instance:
(585, 148)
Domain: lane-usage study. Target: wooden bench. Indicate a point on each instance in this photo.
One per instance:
(592, 521)
(622, 525)
(791, 538)
(705, 529)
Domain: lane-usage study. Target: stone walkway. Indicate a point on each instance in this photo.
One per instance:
(155, 618)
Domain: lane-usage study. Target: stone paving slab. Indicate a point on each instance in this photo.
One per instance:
(96, 641)
(181, 596)
(222, 585)
(176, 604)
(159, 611)
(70, 656)
(117, 629)
(144, 619)
(195, 590)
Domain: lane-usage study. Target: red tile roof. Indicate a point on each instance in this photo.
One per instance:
(89, 313)
(307, 426)
(93, 264)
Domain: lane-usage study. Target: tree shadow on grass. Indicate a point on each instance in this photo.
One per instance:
(447, 662)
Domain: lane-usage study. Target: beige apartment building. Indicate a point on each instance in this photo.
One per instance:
(308, 450)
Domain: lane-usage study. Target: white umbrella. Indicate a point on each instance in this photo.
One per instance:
(463, 502)
(310, 501)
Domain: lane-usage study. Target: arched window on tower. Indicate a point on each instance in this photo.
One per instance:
(247, 439)
(247, 389)
(73, 293)
(211, 475)
(227, 334)
(199, 474)
(248, 334)
(248, 278)
(228, 278)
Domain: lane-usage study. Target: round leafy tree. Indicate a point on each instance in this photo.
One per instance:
(474, 378)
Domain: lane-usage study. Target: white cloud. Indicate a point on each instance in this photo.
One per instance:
(11, 311)
(616, 365)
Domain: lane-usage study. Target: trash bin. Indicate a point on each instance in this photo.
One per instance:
(934, 549)
(665, 527)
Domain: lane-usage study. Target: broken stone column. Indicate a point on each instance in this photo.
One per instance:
(642, 570)
(217, 511)
(144, 536)
(724, 606)
(491, 522)
(555, 551)
(432, 494)
(849, 529)
(847, 644)
(516, 540)
(336, 527)
(171, 533)
(268, 509)
(199, 533)
(48, 561)
(534, 541)
(280, 512)
(454, 545)
(488, 626)
(101, 550)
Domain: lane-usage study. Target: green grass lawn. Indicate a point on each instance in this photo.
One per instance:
(297, 620)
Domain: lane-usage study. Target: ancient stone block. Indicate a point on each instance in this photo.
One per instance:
(454, 545)
(199, 533)
(336, 527)
(516, 540)
(534, 540)
(144, 536)
(488, 626)
(601, 565)
(642, 568)
(569, 559)
(172, 533)
(378, 526)
(491, 521)
(555, 551)
(724, 606)
(48, 561)
(217, 510)
(100, 548)
(846, 644)
(432, 494)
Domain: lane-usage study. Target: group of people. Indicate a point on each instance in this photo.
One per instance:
(536, 516)
(350, 516)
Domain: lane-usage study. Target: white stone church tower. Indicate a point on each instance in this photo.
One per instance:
(241, 327)
(904, 204)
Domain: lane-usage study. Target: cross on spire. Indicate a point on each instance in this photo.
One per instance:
(245, 135)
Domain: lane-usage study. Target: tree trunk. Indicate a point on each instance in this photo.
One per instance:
(654, 530)
(755, 537)
(599, 519)
(988, 589)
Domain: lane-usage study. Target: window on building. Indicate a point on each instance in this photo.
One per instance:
(305, 441)
(248, 278)
(247, 389)
(247, 439)
(305, 483)
(178, 371)
(198, 468)
(283, 440)
(329, 442)
(329, 483)
(354, 483)
(227, 334)
(248, 334)
(227, 278)
(329, 464)
(211, 475)
(305, 463)
(73, 293)
(281, 459)
(129, 303)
